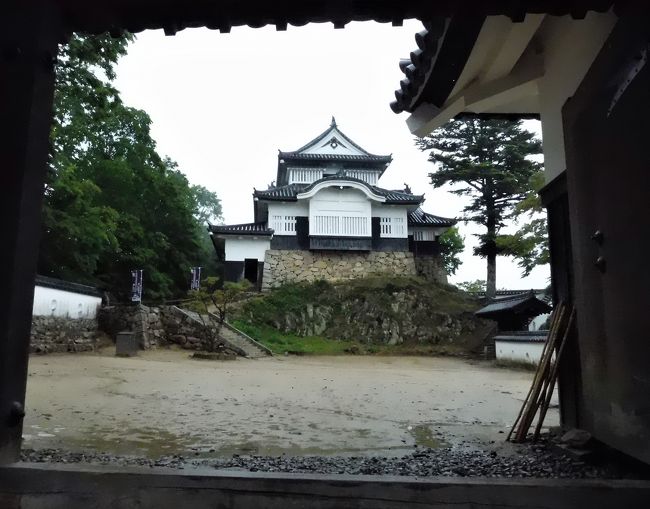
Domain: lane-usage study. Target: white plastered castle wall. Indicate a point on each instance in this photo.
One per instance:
(280, 215)
(523, 351)
(393, 220)
(239, 248)
(341, 212)
(63, 303)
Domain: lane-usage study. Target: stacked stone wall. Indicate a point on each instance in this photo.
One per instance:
(153, 326)
(283, 266)
(144, 321)
(431, 268)
(156, 326)
(51, 334)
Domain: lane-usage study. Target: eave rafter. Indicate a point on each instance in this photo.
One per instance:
(175, 15)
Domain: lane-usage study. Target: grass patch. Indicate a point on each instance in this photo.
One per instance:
(280, 343)
(514, 364)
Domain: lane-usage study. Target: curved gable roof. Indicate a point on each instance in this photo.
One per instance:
(333, 144)
(290, 192)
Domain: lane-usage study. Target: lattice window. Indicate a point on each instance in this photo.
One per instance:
(290, 224)
(419, 235)
(398, 227)
(304, 175)
(367, 176)
(393, 227)
(385, 226)
(283, 225)
(342, 226)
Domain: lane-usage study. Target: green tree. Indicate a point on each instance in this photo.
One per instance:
(529, 244)
(220, 297)
(488, 161)
(452, 244)
(112, 203)
(478, 285)
(207, 205)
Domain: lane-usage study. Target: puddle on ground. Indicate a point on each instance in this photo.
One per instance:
(424, 436)
(156, 443)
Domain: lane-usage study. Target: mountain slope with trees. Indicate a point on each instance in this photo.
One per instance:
(112, 203)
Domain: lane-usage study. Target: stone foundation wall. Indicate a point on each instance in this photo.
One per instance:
(144, 321)
(51, 334)
(431, 268)
(153, 327)
(158, 326)
(282, 266)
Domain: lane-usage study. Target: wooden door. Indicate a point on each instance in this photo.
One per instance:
(607, 138)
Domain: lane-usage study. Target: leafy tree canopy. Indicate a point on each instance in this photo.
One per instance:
(488, 161)
(112, 203)
(452, 244)
(529, 244)
(478, 285)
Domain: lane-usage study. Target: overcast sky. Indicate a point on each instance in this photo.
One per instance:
(223, 104)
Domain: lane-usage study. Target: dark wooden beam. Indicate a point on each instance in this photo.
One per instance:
(28, 45)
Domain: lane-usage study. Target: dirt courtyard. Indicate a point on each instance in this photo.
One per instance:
(163, 403)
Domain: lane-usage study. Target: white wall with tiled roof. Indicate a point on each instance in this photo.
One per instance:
(238, 249)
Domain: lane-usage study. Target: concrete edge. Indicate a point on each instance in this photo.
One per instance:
(26, 486)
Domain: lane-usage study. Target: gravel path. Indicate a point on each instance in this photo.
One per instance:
(527, 461)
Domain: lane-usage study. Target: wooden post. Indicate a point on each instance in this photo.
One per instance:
(28, 45)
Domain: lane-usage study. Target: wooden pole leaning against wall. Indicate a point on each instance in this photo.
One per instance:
(538, 373)
(28, 47)
(548, 393)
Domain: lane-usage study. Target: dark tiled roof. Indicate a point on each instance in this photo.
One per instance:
(282, 193)
(334, 157)
(291, 191)
(68, 286)
(421, 218)
(175, 15)
(514, 303)
(523, 336)
(241, 229)
(446, 43)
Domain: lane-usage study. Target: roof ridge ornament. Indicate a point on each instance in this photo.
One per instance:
(333, 124)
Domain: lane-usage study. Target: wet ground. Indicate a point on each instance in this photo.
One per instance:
(162, 403)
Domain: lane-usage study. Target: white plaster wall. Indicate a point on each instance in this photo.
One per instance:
(285, 210)
(519, 350)
(570, 47)
(238, 249)
(380, 210)
(299, 208)
(332, 201)
(54, 302)
(335, 200)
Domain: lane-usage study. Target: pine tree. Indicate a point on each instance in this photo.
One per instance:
(490, 162)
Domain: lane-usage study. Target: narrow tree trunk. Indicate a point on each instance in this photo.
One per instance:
(491, 281)
(491, 250)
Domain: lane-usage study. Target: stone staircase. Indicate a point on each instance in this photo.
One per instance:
(233, 337)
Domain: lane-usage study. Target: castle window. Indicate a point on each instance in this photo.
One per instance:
(283, 225)
(392, 227)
